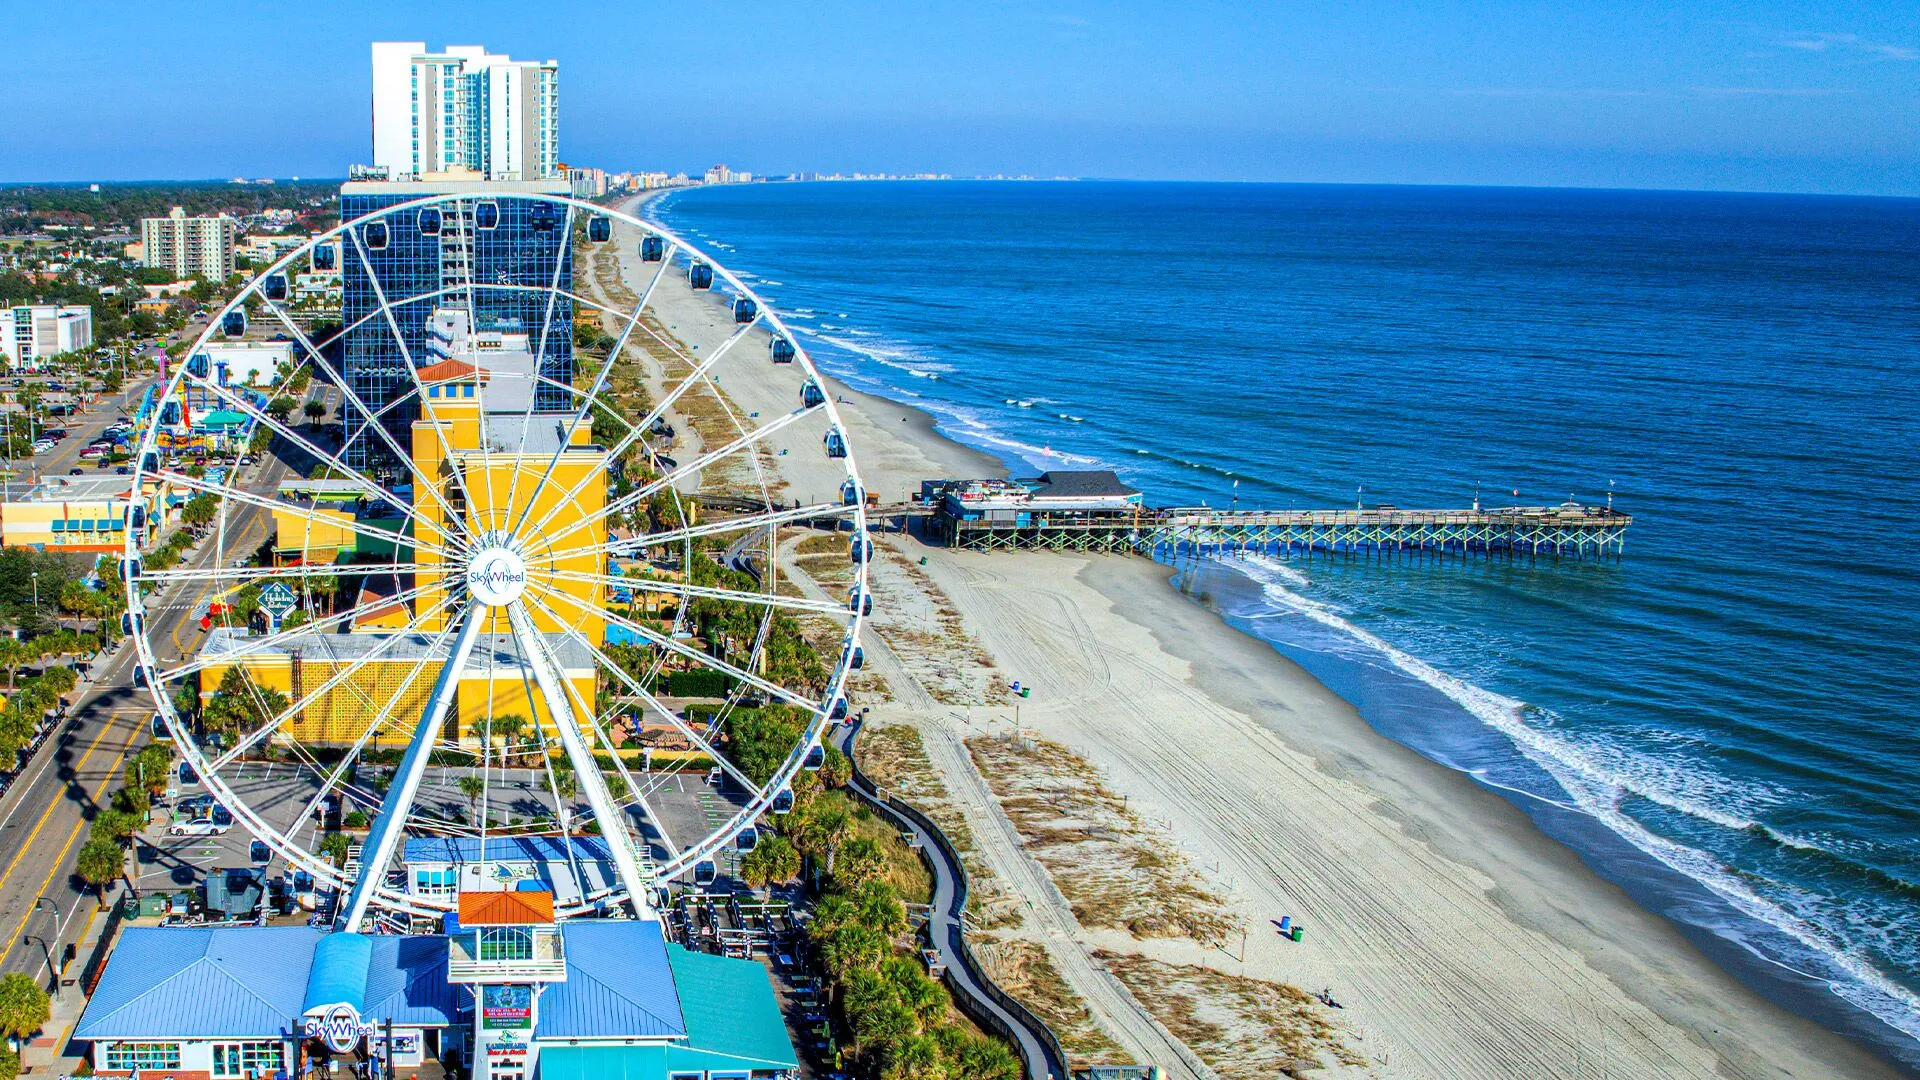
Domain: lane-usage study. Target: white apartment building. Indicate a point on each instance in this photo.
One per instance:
(189, 245)
(464, 113)
(30, 334)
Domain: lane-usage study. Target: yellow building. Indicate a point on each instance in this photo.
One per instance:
(71, 513)
(496, 468)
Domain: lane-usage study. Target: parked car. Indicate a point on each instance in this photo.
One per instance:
(197, 827)
(93, 451)
(76, 472)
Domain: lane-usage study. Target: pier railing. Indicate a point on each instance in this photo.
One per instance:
(1569, 530)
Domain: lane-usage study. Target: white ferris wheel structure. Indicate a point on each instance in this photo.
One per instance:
(522, 591)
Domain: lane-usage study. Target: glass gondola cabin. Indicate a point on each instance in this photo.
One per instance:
(836, 444)
(781, 350)
(275, 287)
(599, 229)
(653, 249)
(323, 258)
(430, 221)
(744, 310)
(700, 275)
(234, 323)
(811, 395)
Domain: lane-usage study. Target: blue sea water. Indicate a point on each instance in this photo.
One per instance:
(1723, 721)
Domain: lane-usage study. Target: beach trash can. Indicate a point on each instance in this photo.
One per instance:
(1026, 691)
(1286, 925)
(1299, 931)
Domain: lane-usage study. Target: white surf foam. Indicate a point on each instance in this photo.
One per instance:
(1600, 779)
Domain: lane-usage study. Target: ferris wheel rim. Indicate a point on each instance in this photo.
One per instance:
(766, 316)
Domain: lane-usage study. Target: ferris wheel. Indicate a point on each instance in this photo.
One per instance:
(492, 553)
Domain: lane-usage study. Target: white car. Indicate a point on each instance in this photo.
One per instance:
(197, 827)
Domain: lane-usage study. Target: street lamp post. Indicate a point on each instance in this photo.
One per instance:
(59, 931)
(36, 591)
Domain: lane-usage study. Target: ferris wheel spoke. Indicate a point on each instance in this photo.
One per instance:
(562, 260)
(345, 675)
(354, 477)
(600, 732)
(593, 783)
(648, 490)
(593, 392)
(241, 495)
(202, 662)
(634, 788)
(380, 717)
(369, 417)
(238, 574)
(637, 431)
(674, 588)
(390, 825)
(456, 521)
(654, 637)
(746, 523)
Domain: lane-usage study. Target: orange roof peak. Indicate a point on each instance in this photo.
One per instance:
(449, 370)
(505, 908)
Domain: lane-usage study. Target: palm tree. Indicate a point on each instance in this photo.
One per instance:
(473, 787)
(24, 1007)
(101, 861)
(314, 410)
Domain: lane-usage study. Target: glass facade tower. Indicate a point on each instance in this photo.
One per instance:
(493, 252)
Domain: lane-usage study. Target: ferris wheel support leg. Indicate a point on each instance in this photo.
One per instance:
(388, 829)
(593, 784)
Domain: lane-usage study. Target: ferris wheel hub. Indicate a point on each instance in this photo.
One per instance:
(496, 576)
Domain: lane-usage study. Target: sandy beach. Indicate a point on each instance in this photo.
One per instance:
(1458, 940)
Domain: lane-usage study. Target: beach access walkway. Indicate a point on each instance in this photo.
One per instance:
(946, 930)
(1109, 1004)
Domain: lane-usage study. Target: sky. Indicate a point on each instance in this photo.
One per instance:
(1759, 95)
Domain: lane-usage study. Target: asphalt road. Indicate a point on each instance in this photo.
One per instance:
(44, 815)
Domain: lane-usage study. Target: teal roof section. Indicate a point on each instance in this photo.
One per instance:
(603, 1063)
(187, 983)
(730, 1013)
(339, 972)
(223, 418)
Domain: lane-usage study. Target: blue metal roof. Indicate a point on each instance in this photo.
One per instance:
(178, 982)
(249, 982)
(466, 849)
(407, 981)
(339, 972)
(618, 983)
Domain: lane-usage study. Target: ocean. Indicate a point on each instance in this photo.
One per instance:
(1722, 721)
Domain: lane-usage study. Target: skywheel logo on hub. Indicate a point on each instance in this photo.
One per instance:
(497, 576)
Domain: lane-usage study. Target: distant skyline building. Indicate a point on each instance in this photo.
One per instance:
(464, 113)
(189, 245)
(31, 333)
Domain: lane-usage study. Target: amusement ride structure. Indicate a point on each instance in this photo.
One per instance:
(524, 559)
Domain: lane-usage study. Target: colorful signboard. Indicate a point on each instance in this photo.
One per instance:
(506, 1006)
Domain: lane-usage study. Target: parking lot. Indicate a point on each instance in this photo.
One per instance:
(687, 804)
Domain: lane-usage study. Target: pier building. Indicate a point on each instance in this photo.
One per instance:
(1097, 512)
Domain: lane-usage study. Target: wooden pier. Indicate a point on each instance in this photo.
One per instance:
(1566, 531)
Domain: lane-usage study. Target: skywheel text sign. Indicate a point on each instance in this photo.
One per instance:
(338, 1026)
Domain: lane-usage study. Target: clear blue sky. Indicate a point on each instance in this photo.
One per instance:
(1784, 95)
